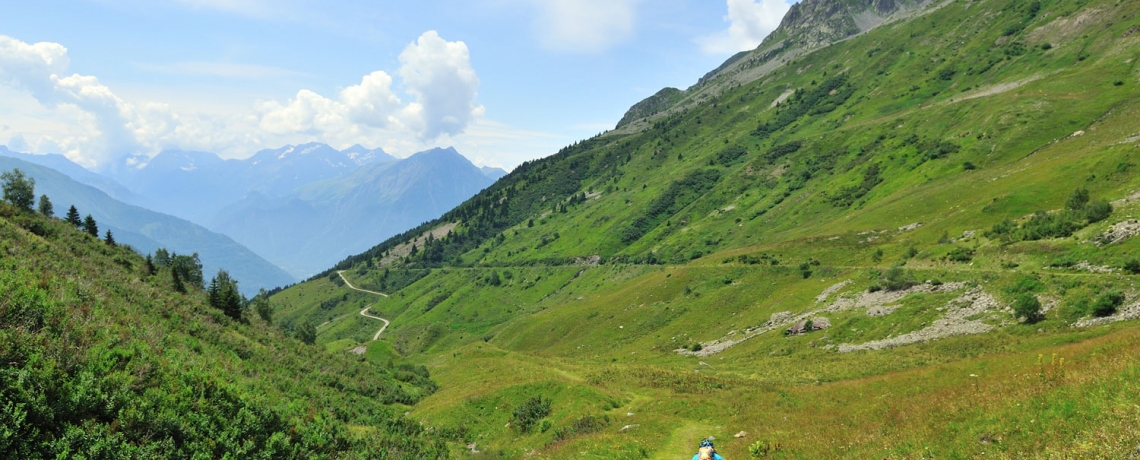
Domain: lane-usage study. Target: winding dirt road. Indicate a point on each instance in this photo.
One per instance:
(364, 312)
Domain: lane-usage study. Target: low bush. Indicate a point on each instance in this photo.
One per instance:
(1028, 307)
(528, 414)
(1106, 304)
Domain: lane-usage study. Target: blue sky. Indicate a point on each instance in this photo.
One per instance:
(503, 81)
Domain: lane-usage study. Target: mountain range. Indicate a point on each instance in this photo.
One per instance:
(325, 221)
(300, 207)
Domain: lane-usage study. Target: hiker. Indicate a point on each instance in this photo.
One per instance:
(707, 452)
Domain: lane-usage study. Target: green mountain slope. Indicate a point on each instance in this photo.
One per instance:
(928, 198)
(102, 360)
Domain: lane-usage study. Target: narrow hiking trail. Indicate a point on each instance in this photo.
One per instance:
(364, 312)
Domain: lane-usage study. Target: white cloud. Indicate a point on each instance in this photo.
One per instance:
(585, 26)
(439, 74)
(100, 126)
(749, 22)
(31, 67)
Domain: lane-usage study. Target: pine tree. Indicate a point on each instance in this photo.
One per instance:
(109, 238)
(224, 295)
(149, 265)
(19, 189)
(73, 217)
(90, 226)
(178, 286)
(46, 207)
(162, 257)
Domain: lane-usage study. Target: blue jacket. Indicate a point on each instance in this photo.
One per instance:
(716, 456)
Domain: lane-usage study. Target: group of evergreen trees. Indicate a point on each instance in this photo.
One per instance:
(185, 271)
(20, 191)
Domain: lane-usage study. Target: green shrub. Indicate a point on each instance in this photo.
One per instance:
(527, 415)
(1080, 210)
(1107, 303)
(1132, 266)
(585, 425)
(897, 279)
(1028, 307)
(960, 254)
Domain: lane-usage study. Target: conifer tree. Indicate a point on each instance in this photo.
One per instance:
(46, 207)
(178, 286)
(149, 265)
(162, 257)
(109, 238)
(90, 226)
(73, 217)
(224, 295)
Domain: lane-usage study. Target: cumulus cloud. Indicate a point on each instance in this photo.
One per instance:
(749, 22)
(585, 26)
(436, 73)
(439, 74)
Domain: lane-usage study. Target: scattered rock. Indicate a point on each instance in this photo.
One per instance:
(956, 322)
(1129, 312)
(1085, 266)
(783, 319)
(822, 297)
(629, 414)
(629, 427)
(1118, 232)
(472, 447)
(359, 350)
(779, 317)
(885, 310)
(740, 434)
(909, 227)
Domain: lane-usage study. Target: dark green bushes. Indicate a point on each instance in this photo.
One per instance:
(897, 279)
(822, 99)
(1028, 307)
(678, 195)
(527, 415)
(846, 196)
(1107, 304)
(960, 254)
(1080, 211)
(585, 425)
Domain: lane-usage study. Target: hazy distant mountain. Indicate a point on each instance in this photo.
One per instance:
(196, 185)
(78, 173)
(147, 230)
(493, 173)
(321, 223)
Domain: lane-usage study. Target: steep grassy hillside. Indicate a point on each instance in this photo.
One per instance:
(101, 359)
(146, 230)
(944, 203)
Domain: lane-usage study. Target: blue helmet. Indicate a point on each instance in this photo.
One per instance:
(706, 443)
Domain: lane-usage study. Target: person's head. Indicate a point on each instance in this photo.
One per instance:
(706, 451)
